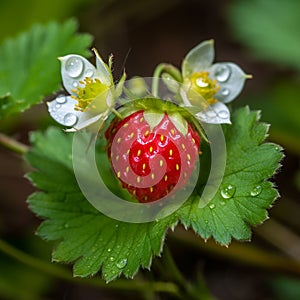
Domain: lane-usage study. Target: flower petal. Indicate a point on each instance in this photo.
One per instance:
(199, 58)
(230, 77)
(75, 68)
(217, 113)
(86, 121)
(62, 110)
(105, 75)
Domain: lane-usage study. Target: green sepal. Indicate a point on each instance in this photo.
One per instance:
(153, 118)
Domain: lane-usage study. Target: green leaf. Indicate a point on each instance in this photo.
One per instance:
(249, 163)
(29, 69)
(93, 241)
(89, 238)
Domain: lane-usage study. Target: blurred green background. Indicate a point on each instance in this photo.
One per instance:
(263, 37)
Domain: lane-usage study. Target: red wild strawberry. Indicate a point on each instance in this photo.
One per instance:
(151, 163)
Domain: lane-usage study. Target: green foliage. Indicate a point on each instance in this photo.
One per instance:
(29, 69)
(286, 288)
(22, 14)
(280, 106)
(269, 28)
(92, 241)
(249, 163)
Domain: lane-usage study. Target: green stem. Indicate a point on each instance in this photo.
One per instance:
(61, 273)
(189, 291)
(13, 145)
(117, 113)
(172, 268)
(164, 68)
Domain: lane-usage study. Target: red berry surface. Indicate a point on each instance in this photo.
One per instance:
(151, 164)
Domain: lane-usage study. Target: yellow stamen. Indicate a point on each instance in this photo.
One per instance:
(88, 92)
(203, 85)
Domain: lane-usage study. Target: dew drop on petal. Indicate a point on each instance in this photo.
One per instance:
(61, 100)
(210, 113)
(89, 73)
(75, 84)
(222, 73)
(70, 119)
(223, 114)
(57, 106)
(74, 66)
(228, 191)
(256, 191)
(225, 92)
(121, 263)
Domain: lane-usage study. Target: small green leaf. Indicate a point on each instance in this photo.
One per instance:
(29, 69)
(93, 241)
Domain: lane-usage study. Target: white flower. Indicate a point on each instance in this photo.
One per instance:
(208, 86)
(92, 92)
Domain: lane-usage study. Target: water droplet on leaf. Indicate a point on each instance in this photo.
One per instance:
(109, 250)
(121, 263)
(70, 119)
(256, 191)
(228, 191)
(222, 73)
(111, 258)
(212, 206)
(74, 66)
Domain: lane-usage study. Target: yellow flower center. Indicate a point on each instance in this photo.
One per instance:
(205, 86)
(92, 91)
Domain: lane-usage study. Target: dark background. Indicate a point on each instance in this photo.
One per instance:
(263, 37)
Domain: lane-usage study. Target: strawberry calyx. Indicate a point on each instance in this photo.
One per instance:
(154, 110)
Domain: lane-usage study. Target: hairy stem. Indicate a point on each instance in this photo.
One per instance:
(13, 145)
(61, 273)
